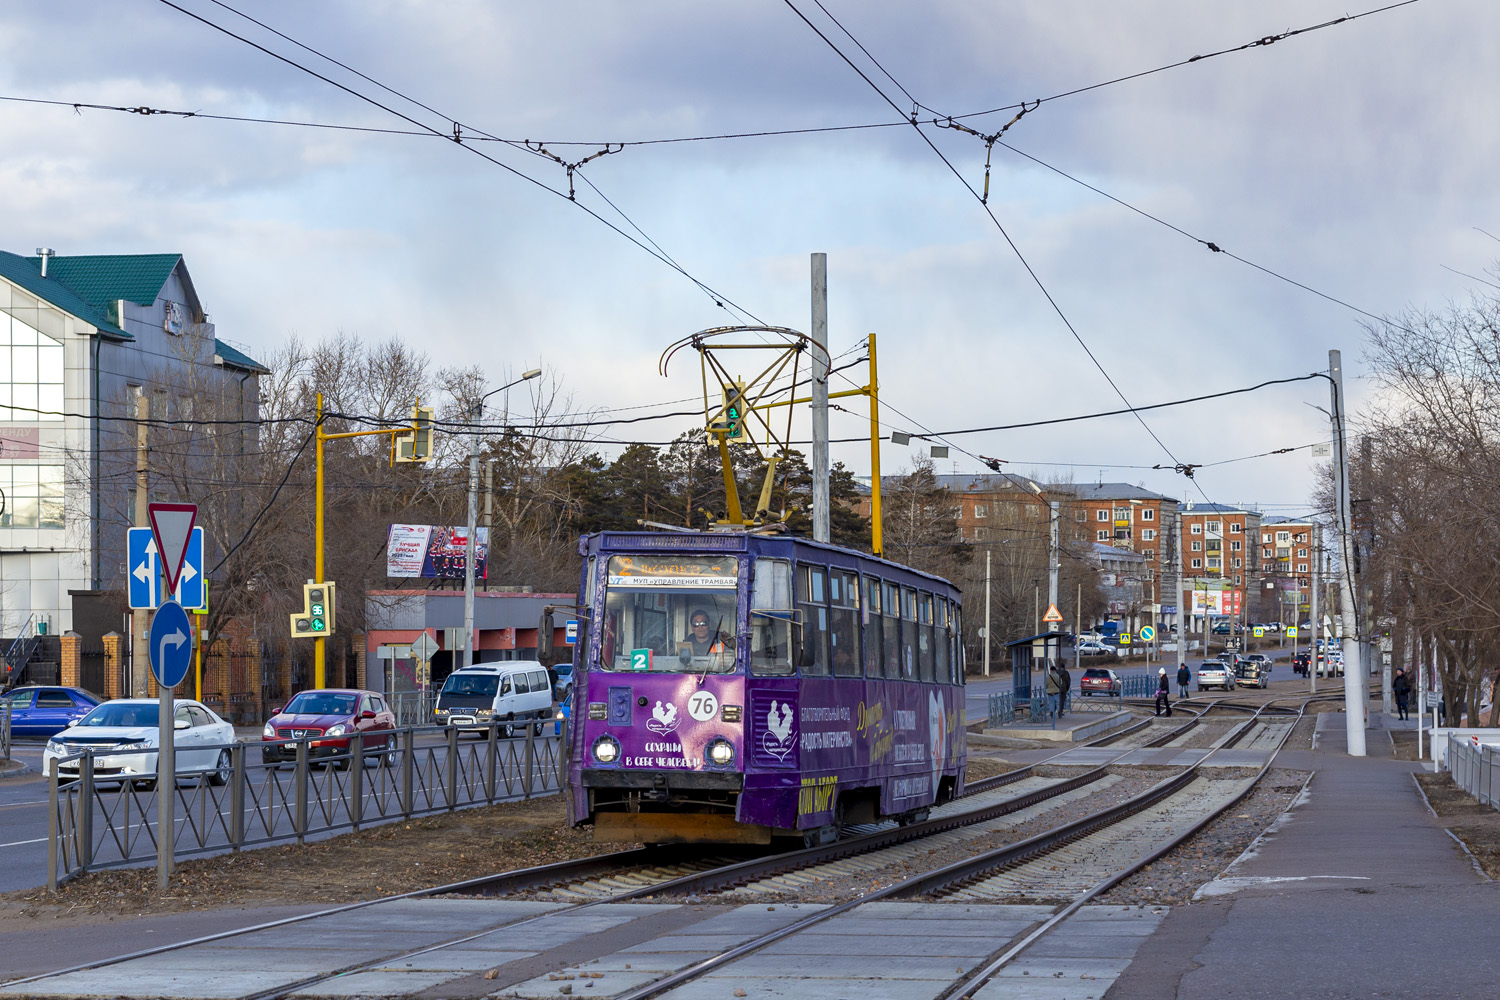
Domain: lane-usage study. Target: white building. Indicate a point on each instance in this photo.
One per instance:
(80, 338)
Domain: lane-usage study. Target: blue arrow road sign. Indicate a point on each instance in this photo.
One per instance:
(143, 571)
(171, 644)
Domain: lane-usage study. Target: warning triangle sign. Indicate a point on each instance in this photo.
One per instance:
(1052, 615)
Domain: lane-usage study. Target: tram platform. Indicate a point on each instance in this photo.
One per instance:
(1073, 727)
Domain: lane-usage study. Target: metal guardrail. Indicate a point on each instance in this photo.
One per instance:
(107, 821)
(1002, 709)
(5, 728)
(1475, 768)
(413, 708)
(1140, 685)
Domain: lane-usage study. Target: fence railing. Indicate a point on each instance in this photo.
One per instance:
(1137, 685)
(1002, 709)
(100, 817)
(413, 708)
(4, 729)
(1475, 768)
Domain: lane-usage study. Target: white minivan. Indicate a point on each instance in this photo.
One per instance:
(513, 693)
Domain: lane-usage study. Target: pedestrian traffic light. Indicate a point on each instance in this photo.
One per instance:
(316, 618)
(416, 446)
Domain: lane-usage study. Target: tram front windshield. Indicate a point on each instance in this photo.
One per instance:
(669, 614)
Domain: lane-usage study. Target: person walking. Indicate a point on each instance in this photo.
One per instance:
(1401, 688)
(1163, 692)
(1067, 687)
(1183, 677)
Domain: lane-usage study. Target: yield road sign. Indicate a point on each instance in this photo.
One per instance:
(1052, 615)
(143, 574)
(172, 526)
(423, 647)
(1147, 633)
(170, 644)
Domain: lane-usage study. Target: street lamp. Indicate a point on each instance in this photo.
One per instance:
(478, 412)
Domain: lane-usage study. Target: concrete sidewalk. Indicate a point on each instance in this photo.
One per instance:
(1357, 892)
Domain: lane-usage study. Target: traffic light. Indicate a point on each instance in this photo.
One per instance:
(733, 415)
(416, 446)
(316, 618)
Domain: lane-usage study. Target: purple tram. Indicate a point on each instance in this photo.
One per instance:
(734, 687)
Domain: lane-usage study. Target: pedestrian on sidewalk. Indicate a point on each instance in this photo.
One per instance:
(1401, 688)
(1054, 683)
(1183, 677)
(1067, 686)
(1163, 692)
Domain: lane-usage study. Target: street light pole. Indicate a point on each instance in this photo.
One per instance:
(469, 548)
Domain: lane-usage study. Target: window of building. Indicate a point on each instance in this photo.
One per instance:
(1237, 578)
(1283, 537)
(980, 510)
(1213, 562)
(1148, 534)
(1195, 546)
(1102, 535)
(31, 362)
(1239, 564)
(1301, 568)
(33, 496)
(1301, 554)
(1197, 564)
(1266, 537)
(1197, 529)
(1150, 555)
(1148, 514)
(1235, 529)
(1233, 547)
(1122, 513)
(1214, 527)
(1099, 515)
(1283, 553)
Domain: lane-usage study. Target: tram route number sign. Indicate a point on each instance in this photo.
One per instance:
(640, 659)
(1147, 633)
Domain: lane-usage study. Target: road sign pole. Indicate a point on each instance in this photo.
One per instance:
(166, 783)
(320, 651)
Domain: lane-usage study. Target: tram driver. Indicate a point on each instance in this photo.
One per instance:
(702, 640)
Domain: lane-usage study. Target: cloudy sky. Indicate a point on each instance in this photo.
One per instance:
(1357, 160)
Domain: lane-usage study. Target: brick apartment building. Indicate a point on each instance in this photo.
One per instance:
(1221, 544)
(1289, 551)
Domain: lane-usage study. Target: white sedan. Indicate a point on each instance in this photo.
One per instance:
(124, 736)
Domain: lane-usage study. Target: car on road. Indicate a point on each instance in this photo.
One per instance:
(124, 737)
(326, 719)
(513, 693)
(1099, 680)
(1301, 661)
(39, 712)
(1094, 649)
(1252, 671)
(1213, 673)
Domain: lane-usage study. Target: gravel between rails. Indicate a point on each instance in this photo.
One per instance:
(1174, 878)
(827, 884)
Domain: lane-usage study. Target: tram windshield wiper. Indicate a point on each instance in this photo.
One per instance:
(719, 641)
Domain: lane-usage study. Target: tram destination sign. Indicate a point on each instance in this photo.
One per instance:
(671, 571)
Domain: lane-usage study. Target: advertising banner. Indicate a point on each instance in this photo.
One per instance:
(421, 550)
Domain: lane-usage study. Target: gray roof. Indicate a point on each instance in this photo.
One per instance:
(1103, 551)
(1214, 508)
(1110, 491)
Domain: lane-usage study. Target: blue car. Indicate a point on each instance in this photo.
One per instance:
(43, 712)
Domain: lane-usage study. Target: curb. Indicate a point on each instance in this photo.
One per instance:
(12, 768)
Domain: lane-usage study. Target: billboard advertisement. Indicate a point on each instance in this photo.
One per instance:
(421, 550)
(1218, 602)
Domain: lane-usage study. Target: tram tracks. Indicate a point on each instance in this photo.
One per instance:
(633, 875)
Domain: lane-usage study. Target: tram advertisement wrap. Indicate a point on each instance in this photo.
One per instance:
(799, 743)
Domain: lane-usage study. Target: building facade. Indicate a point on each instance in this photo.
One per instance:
(1220, 544)
(1290, 551)
(81, 340)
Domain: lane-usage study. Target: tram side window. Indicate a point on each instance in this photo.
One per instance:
(812, 593)
(958, 644)
(892, 626)
(908, 633)
(771, 619)
(843, 622)
(940, 642)
(872, 627)
(925, 653)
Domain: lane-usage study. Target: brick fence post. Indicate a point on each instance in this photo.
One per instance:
(114, 663)
(70, 659)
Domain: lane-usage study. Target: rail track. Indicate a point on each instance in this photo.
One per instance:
(988, 806)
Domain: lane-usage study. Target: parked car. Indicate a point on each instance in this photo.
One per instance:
(1094, 649)
(1301, 662)
(1212, 673)
(1222, 628)
(1099, 680)
(514, 693)
(40, 712)
(130, 724)
(333, 715)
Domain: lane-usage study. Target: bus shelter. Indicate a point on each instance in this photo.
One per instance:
(1032, 655)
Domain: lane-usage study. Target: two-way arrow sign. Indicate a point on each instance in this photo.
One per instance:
(143, 573)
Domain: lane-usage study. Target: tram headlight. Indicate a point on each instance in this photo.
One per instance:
(719, 752)
(606, 750)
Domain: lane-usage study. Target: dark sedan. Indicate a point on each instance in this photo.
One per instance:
(326, 719)
(43, 712)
